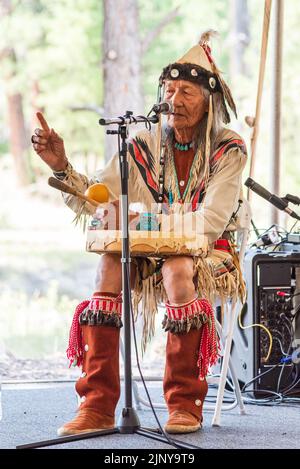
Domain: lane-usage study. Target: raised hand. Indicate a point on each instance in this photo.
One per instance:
(49, 145)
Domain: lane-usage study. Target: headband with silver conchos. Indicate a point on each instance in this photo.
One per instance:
(193, 73)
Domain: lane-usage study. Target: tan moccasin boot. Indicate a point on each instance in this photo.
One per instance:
(87, 420)
(98, 387)
(183, 390)
(182, 422)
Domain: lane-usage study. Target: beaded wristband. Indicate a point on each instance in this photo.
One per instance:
(62, 174)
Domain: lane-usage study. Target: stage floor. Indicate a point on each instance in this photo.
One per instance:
(33, 412)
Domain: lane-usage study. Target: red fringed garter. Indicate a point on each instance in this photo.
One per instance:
(100, 310)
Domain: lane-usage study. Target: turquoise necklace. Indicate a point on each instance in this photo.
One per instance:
(183, 146)
(180, 199)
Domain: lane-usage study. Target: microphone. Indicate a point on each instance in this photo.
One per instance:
(293, 199)
(278, 202)
(164, 107)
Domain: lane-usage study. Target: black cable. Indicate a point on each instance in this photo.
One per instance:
(136, 352)
(146, 121)
(270, 401)
(293, 226)
(278, 397)
(265, 401)
(292, 387)
(295, 381)
(254, 227)
(280, 344)
(171, 441)
(278, 244)
(280, 377)
(264, 391)
(293, 295)
(274, 395)
(259, 376)
(281, 395)
(259, 236)
(290, 329)
(287, 390)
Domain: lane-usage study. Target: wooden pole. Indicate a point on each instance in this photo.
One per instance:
(254, 121)
(276, 105)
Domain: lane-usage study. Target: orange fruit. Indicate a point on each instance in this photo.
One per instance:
(97, 192)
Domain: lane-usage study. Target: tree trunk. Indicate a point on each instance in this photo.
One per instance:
(239, 19)
(18, 139)
(15, 116)
(121, 64)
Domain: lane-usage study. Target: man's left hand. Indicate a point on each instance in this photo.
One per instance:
(109, 214)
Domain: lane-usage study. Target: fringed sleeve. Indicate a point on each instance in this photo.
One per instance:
(109, 176)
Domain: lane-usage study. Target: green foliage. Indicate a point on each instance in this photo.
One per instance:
(60, 50)
(179, 35)
(37, 325)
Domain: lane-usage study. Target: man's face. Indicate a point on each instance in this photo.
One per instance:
(188, 104)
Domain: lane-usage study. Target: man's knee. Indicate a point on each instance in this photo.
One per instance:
(178, 269)
(108, 262)
(109, 268)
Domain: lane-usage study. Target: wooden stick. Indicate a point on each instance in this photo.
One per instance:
(263, 56)
(61, 186)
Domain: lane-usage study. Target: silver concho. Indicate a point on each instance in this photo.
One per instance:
(212, 82)
(194, 72)
(174, 73)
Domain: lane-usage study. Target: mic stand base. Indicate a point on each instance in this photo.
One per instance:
(128, 425)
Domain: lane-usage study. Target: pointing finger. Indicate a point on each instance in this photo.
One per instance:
(43, 121)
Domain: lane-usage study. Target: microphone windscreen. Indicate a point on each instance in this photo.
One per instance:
(249, 182)
(258, 189)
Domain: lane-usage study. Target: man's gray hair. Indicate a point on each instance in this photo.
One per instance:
(217, 123)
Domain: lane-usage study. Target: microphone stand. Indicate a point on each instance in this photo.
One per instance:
(128, 422)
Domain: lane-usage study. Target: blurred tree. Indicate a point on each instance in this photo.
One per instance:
(240, 37)
(122, 59)
(121, 62)
(14, 101)
(58, 48)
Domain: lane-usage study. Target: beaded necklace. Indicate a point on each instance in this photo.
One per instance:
(170, 194)
(166, 150)
(183, 146)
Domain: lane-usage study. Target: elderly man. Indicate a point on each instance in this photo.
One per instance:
(192, 161)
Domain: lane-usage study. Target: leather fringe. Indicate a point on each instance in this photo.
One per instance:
(185, 325)
(99, 318)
